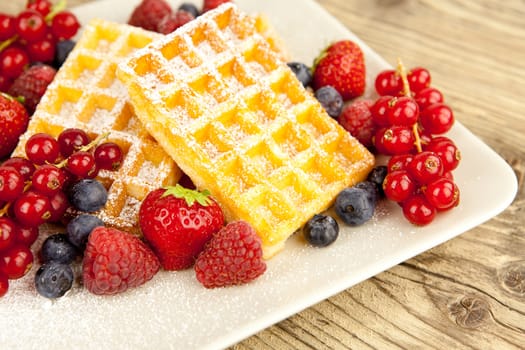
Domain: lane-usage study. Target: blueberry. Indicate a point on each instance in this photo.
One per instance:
(354, 205)
(79, 228)
(377, 176)
(63, 48)
(302, 72)
(370, 188)
(88, 195)
(330, 99)
(53, 279)
(321, 230)
(58, 248)
(191, 8)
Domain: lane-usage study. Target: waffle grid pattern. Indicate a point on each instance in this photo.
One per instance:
(86, 94)
(239, 123)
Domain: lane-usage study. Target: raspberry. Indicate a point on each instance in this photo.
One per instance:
(115, 261)
(32, 84)
(149, 13)
(232, 257)
(356, 118)
(211, 4)
(173, 21)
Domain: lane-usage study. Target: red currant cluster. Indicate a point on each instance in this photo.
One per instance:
(32, 36)
(410, 119)
(33, 190)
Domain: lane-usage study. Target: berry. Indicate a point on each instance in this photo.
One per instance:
(446, 150)
(418, 79)
(149, 13)
(174, 20)
(26, 235)
(443, 193)
(302, 72)
(42, 50)
(377, 176)
(7, 233)
(23, 165)
(62, 50)
(330, 99)
(232, 257)
(425, 167)
(398, 186)
(354, 205)
(11, 183)
(189, 7)
(80, 227)
(57, 248)
(82, 164)
(428, 97)
(71, 140)
(399, 162)
(321, 230)
(388, 82)
(418, 210)
(343, 69)
(211, 4)
(32, 84)
(7, 26)
(32, 209)
(42, 148)
(16, 261)
(31, 26)
(88, 195)
(108, 155)
(178, 222)
(41, 6)
(380, 110)
(59, 205)
(48, 179)
(403, 111)
(54, 279)
(64, 25)
(13, 61)
(397, 139)
(356, 118)
(5, 83)
(4, 284)
(128, 263)
(437, 118)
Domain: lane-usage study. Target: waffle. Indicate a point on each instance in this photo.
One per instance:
(86, 94)
(235, 118)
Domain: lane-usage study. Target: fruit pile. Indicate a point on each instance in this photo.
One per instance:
(41, 33)
(55, 175)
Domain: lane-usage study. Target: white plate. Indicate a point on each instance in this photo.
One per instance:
(175, 311)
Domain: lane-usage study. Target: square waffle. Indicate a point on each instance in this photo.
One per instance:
(235, 118)
(86, 94)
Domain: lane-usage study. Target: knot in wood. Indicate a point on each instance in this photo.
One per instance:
(512, 277)
(470, 312)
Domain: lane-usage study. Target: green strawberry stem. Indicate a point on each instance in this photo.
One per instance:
(406, 91)
(190, 196)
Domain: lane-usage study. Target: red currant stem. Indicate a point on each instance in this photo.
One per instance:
(418, 139)
(4, 44)
(4, 209)
(85, 148)
(59, 6)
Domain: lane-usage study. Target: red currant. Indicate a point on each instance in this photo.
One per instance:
(398, 139)
(48, 179)
(71, 140)
(59, 205)
(23, 165)
(42, 148)
(427, 97)
(418, 210)
(108, 155)
(26, 235)
(403, 111)
(42, 50)
(64, 25)
(4, 284)
(11, 183)
(31, 26)
(447, 150)
(5, 82)
(13, 61)
(437, 118)
(425, 167)
(82, 164)
(443, 193)
(418, 79)
(32, 209)
(398, 186)
(388, 82)
(380, 110)
(399, 162)
(7, 233)
(41, 6)
(16, 261)
(7, 26)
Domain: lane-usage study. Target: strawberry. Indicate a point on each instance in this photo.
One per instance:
(173, 21)
(148, 14)
(13, 122)
(211, 4)
(232, 257)
(178, 222)
(32, 84)
(356, 118)
(342, 67)
(115, 261)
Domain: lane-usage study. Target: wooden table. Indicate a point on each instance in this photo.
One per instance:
(468, 292)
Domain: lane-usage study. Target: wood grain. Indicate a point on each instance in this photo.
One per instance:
(468, 293)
